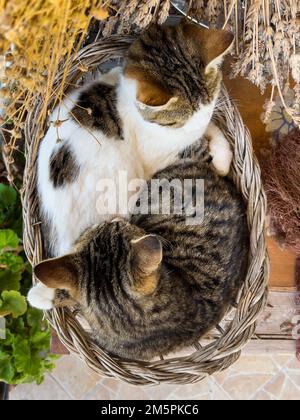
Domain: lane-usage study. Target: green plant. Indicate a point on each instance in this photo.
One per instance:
(24, 352)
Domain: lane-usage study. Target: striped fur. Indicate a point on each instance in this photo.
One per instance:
(96, 109)
(202, 270)
(161, 104)
(174, 62)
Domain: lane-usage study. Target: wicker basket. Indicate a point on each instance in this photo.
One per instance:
(221, 352)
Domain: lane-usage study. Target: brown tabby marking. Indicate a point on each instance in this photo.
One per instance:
(63, 167)
(147, 286)
(216, 42)
(59, 272)
(156, 284)
(139, 306)
(96, 109)
(174, 62)
(63, 299)
(150, 91)
(147, 256)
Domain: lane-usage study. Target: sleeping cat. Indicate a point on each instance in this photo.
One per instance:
(154, 285)
(163, 101)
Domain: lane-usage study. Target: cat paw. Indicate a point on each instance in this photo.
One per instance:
(221, 160)
(220, 151)
(41, 297)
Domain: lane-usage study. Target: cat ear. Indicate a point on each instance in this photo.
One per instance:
(157, 108)
(147, 256)
(211, 44)
(150, 93)
(58, 273)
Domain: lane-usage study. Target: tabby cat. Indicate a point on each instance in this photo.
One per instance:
(154, 285)
(136, 122)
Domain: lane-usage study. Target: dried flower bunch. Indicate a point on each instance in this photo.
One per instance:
(35, 35)
(282, 184)
(142, 12)
(268, 43)
(135, 14)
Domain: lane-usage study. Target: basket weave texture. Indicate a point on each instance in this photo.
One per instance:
(226, 349)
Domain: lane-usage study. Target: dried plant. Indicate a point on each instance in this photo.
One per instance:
(268, 43)
(138, 14)
(35, 36)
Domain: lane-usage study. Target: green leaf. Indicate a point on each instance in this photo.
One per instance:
(25, 352)
(17, 325)
(13, 303)
(12, 262)
(7, 371)
(10, 280)
(10, 209)
(3, 356)
(8, 239)
(8, 196)
(7, 341)
(27, 360)
(34, 318)
(22, 355)
(41, 339)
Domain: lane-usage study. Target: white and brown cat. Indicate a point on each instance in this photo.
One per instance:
(137, 120)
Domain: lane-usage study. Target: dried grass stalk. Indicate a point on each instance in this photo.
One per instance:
(282, 182)
(35, 36)
(268, 43)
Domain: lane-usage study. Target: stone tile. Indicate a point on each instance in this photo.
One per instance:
(194, 391)
(255, 364)
(293, 371)
(48, 390)
(74, 376)
(218, 393)
(131, 392)
(275, 386)
(113, 385)
(190, 392)
(99, 393)
(221, 377)
(294, 364)
(263, 396)
(244, 387)
(290, 391)
(282, 360)
(162, 392)
(205, 397)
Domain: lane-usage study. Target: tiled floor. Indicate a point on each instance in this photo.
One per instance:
(253, 377)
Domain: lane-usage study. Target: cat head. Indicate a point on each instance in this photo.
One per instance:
(108, 259)
(177, 70)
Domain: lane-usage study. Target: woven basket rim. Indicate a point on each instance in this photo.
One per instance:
(215, 356)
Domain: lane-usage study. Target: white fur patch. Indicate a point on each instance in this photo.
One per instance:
(220, 150)
(41, 297)
(158, 146)
(146, 148)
